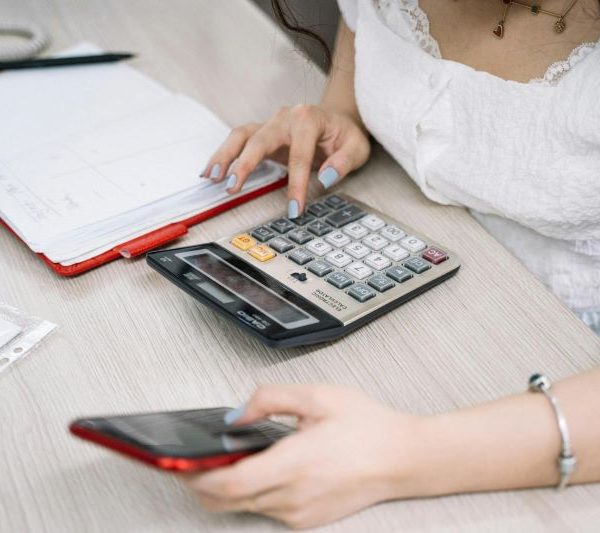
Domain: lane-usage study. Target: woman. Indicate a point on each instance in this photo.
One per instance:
(478, 118)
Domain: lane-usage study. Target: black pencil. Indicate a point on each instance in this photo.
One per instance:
(64, 61)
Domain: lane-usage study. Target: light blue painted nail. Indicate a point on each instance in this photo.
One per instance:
(231, 181)
(328, 177)
(215, 171)
(293, 209)
(235, 414)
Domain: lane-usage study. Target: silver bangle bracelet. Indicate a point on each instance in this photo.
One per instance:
(566, 460)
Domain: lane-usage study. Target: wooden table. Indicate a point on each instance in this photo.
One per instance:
(131, 341)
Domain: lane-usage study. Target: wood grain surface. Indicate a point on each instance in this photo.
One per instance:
(130, 341)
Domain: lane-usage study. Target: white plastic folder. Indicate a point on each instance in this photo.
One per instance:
(98, 155)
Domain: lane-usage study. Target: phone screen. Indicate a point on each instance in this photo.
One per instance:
(195, 433)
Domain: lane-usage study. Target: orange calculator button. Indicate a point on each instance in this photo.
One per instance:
(243, 241)
(262, 253)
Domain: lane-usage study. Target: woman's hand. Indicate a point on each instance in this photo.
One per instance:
(303, 137)
(350, 452)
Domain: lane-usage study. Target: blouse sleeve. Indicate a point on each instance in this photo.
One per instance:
(349, 10)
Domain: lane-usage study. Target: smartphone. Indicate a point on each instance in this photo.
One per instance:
(183, 441)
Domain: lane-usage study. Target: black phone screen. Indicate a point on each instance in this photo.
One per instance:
(195, 433)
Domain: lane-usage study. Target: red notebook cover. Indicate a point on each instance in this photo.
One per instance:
(156, 238)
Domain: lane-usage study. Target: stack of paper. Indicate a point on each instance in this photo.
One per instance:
(94, 156)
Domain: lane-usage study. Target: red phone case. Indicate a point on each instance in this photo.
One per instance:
(176, 464)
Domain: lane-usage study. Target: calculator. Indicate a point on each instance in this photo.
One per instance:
(313, 278)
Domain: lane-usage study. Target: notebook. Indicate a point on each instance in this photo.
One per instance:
(99, 162)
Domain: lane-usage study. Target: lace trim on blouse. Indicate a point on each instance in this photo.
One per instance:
(396, 13)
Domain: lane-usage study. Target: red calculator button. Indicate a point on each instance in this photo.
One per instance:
(435, 255)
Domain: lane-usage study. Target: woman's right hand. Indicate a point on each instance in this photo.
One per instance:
(304, 137)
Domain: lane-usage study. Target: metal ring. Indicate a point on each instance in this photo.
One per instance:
(36, 41)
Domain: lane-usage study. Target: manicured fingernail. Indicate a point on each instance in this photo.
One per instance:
(215, 171)
(231, 181)
(293, 209)
(235, 414)
(328, 177)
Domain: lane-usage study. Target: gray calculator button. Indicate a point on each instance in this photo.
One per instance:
(281, 245)
(303, 219)
(300, 256)
(361, 292)
(263, 234)
(319, 228)
(318, 209)
(380, 282)
(417, 265)
(399, 274)
(340, 280)
(282, 225)
(349, 213)
(334, 201)
(300, 236)
(320, 268)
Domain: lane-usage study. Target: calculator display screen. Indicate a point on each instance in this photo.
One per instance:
(248, 289)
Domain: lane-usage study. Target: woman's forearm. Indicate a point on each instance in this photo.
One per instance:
(511, 443)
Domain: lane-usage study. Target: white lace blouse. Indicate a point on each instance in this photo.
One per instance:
(524, 157)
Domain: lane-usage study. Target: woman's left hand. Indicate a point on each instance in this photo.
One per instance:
(350, 452)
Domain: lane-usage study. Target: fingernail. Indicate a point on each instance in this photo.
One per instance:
(231, 181)
(215, 171)
(328, 177)
(293, 209)
(235, 414)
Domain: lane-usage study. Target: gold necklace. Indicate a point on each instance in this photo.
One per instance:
(535, 9)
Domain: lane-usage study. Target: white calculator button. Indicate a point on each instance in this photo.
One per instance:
(413, 244)
(319, 247)
(375, 242)
(395, 252)
(338, 259)
(372, 222)
(359, 270)
(357, 250)
(378, 261)
(356, 230)
(337, 238)
(392, 233)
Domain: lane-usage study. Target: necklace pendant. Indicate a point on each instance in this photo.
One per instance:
(559, 25)
(498, 31)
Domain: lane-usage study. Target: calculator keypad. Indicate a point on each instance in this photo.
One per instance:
(361, 292)
(337, 238)
(412, 244)
(359, 270)
(375, 242)
(300, 236)
(243, 241)
(338, 259)
(262, 253)
(349, 213)
(318, 209)
(319, 228)
(340, 280)
(357, 250)
(281, 245)
(263, 234)
(301, 256)
(319, 247)
(320, 268)
(377, 261)
(356, 230)
(282, 225)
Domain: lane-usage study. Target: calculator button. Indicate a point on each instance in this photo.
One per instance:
(319, 268)
(417, 265)
(375, 242)
(281, 245)
(303, 219)
(300, 256)
(378, 261)
(395, 252)
(338, 259)
(412, 244)
(373, 222)
(282, 225)
(335, 201)
(435, 255)
(380, 282)
(357, 250)
(340, 280)
(361, 292)
(318, 209)
(392, 233)
(359, 270)
(319, 228)
(337, 238)
(350, 213)
(300, 236)
(319, 247)
(399, 274)
(262, 252)
(243, 241)
(356, 230)
(263, 234)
